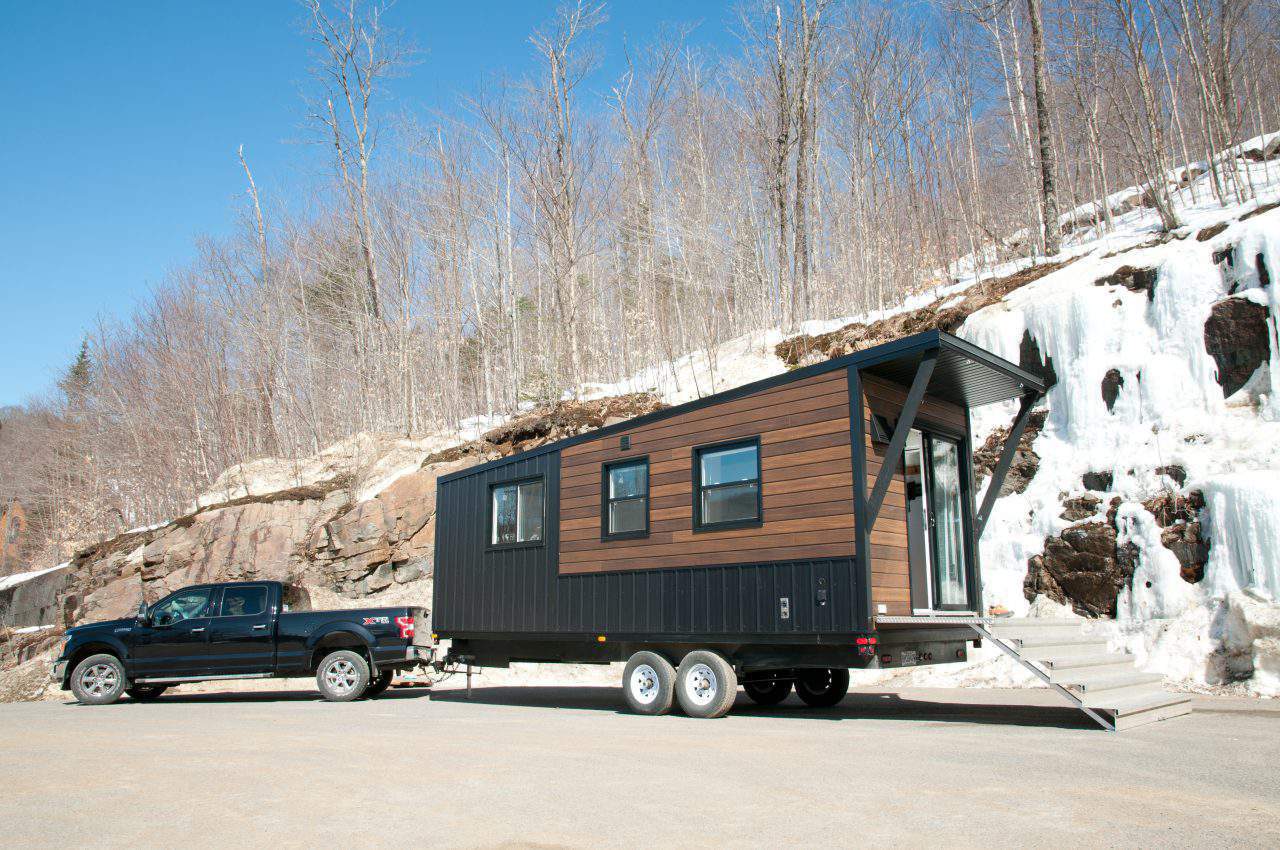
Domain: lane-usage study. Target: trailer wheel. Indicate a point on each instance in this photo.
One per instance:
(343, 676)
(649, 683)
(822, 688)
(767, 691)
(706, 684)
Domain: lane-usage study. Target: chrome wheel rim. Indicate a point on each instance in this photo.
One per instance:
(644, 684)
(341, 676)
(99, 680)
(700, 684)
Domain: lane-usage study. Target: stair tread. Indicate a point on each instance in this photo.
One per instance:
(1135, 705)
(1108, 659)
(1103, 681)
(1041, 642)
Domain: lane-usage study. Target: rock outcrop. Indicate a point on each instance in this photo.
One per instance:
(1081, 567)
(1237, 337)
(1025, 460)
(805, 348)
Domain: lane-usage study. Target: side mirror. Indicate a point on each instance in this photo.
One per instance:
(142, 613)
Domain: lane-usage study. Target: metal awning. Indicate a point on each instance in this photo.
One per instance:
(963, 373)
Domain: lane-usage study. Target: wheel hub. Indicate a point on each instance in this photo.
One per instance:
(341, 676)
(644, 683)
(701, 684)
(99, 679)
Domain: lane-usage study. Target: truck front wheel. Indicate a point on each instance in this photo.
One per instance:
(98, 680)
(706, 684)
(649, 683)
(343, 676)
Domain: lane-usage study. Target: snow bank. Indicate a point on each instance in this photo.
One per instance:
(19, 578)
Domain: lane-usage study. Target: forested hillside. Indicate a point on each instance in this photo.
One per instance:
(566, 229)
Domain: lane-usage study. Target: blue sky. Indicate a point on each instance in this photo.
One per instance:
(118, 147)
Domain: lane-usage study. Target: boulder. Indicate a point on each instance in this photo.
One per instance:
(1132, 278)
(1080, 568)
(1100, 481)
(1111, 384)
(1080, 507)
(1025, 460)
(1237, 338)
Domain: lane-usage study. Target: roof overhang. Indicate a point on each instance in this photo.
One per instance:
(964, 374)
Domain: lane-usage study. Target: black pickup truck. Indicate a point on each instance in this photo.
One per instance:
(241, 630)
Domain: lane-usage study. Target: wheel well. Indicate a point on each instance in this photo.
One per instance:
(338, 640)
(92, 649)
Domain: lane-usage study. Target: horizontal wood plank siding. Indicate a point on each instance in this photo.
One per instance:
(806, 484)
(890, 568)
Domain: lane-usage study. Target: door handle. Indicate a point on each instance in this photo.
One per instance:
(193, 631)
(260, 626)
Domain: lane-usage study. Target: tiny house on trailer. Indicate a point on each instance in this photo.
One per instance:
(774, 535)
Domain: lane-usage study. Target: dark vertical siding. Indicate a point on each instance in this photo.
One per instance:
(520, 591)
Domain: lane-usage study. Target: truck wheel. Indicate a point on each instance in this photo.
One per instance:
(146, 693)
(822, 688)
(98, 680)
(380, 684)
(767, 691)
(706, 684)
(343, 676)
(649, 683)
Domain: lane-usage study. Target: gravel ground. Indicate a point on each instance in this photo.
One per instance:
(565, 767)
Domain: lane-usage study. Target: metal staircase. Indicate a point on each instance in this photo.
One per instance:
(1104, 685)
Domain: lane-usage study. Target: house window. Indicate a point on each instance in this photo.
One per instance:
(626, 499)
(728, 491)
(517, 513)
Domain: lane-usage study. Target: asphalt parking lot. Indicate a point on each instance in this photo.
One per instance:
(566, 767)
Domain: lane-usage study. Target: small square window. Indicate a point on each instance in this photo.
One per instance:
(727, 494)
(625, 509)
(516, 513)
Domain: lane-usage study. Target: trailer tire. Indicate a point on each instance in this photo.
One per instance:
(767, 691)
(99, 680)
(146, 693)
(822, 688)
(380, 684)
(343, 676)
(706, 684)
(649, 683)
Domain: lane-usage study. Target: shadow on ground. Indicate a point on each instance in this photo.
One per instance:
(861, 705)
(259, 696)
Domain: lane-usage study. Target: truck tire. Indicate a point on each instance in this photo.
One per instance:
(343, 676)
(380, 684)
(822, 688)
(98, 680)
(767, 691)
(649, 683)
(706, 684)
(146, 693)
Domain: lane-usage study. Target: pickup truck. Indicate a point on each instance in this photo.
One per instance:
(241, 630)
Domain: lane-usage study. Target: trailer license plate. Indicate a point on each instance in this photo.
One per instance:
(909, 658)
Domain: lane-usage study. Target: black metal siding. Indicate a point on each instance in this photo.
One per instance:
(520, 591)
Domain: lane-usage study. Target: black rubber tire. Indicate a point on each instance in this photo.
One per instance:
(356, 671)
(634, 680)
(768, 691)
(380, 684)
(95, 690)
(146, 693)
(718, 672)
(822, 688)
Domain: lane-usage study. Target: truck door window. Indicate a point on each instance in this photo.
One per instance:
(183, 605)
(243, 601)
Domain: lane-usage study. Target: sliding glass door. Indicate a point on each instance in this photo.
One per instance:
(946, 524)
(932, 473)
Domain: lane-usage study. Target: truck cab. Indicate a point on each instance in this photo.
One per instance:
(241, 630)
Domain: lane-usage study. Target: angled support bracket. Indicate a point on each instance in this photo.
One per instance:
(1006, 460)
(893, 455)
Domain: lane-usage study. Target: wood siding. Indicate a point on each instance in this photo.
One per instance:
(806, 484)
(890, 569)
